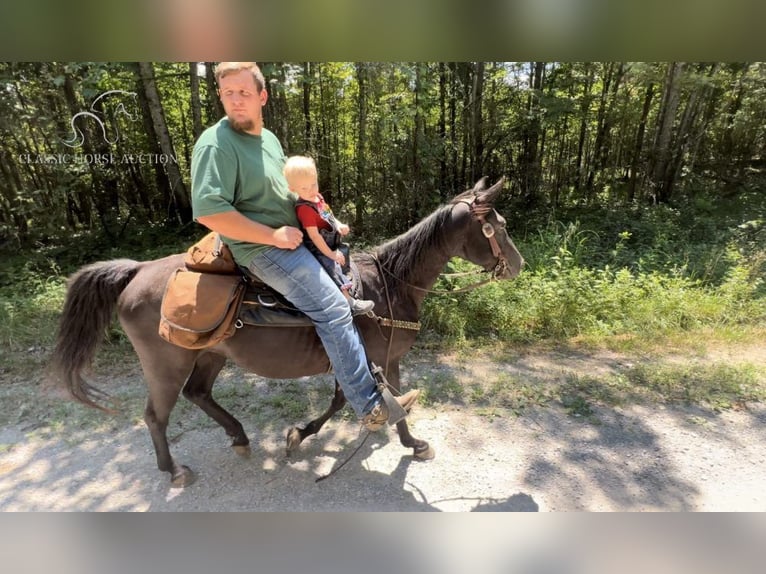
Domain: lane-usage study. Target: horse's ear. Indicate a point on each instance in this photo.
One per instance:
(481, 185)
(480, 193)
(488, 196)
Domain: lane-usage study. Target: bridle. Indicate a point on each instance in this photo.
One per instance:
(479, 212)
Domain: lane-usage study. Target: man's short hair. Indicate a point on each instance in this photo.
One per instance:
(225, 68)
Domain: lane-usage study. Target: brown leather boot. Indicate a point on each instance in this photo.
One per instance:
(378, 416)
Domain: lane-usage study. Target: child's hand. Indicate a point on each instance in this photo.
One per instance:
(339, 258)
(344, 229)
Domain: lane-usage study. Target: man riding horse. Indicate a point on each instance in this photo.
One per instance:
(238, 190)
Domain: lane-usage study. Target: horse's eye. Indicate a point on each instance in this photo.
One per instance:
(487, 230)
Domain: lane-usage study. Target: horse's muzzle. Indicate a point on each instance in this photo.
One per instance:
(505, 271)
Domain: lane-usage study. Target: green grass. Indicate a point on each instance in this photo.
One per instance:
(560, 303)
(440, 388)
(508, 394)
(28, 313)
(716, 386)
(657, 379)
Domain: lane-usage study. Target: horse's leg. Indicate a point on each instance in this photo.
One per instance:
(199, 390)
(165, 383)
(295, 435)
(420, 448)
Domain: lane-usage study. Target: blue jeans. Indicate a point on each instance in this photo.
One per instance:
(299, 277)
(336, 273)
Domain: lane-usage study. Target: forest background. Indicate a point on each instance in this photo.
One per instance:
(634, 190)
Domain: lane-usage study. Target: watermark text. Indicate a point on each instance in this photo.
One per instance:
(97, 158)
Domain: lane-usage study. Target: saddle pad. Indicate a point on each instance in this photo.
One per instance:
(264, 307)
(257, 315)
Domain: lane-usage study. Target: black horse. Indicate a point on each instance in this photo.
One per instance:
(396, 275)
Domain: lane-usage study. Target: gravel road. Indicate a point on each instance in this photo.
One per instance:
(633, 459)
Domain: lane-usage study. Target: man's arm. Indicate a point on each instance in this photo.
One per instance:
(235, 225)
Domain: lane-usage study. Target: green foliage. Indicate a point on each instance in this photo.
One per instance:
(28, 310)
(562, 302)
(651, 272)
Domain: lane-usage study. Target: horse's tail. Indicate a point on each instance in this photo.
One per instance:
(90, 301)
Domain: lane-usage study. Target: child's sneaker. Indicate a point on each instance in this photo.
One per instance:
(361, 307)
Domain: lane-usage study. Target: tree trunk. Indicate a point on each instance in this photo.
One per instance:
(276, 113)
(214, 105)
(78, 200)
(477, 125)
(465, 77)
(611, 84)
(639, 142)
(11, 196)
(529, 163)
(166, 204)
(307, 83)
(685, 136)
(418, 129)
(663, 177)
(453, 139)
(443, 185)
(103, 184)
(361, 158)
(196, 104)
(710, 102)
(584, 113)
(176, 184)
(732, 148)
(328, 176)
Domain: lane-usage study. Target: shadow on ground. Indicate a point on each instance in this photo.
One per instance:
(635, 458)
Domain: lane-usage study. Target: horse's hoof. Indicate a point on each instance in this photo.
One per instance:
(293, 440)
(183, 478)
(425, 454)
(242, 450)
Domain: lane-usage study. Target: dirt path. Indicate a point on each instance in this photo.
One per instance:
(633, 458)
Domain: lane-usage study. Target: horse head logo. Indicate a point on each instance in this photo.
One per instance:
(78, 138)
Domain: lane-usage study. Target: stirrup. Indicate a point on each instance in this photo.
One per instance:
(395, 410)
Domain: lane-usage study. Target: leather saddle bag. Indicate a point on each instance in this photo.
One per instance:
(210, 255)
(200, 310)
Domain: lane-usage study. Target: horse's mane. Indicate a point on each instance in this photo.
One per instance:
(404, 255)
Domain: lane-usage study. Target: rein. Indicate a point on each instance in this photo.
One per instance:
(470, 287)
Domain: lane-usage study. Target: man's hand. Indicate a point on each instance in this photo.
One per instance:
(340, 258)
(344, 229)
(287, 237)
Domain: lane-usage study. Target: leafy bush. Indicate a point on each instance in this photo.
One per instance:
(649, 281)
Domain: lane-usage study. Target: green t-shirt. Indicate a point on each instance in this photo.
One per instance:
(231, 170)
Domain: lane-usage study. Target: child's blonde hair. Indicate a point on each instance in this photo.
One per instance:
(299, 165)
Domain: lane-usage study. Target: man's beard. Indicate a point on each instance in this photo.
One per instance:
(242, 126)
